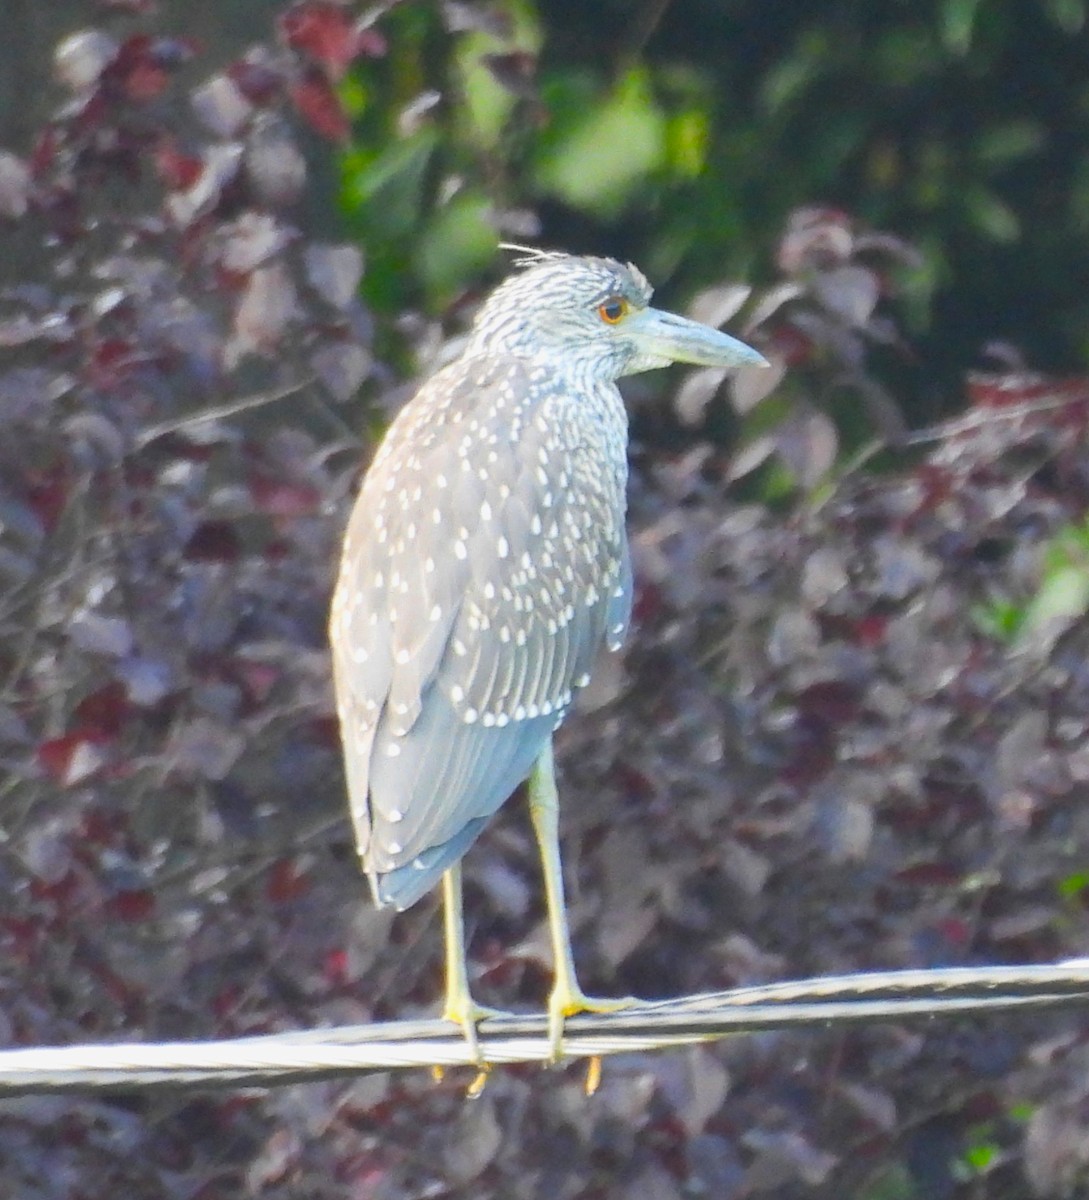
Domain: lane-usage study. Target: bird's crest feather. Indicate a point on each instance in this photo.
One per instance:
(534, 256)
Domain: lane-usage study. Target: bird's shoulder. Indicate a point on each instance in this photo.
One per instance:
(481, 386)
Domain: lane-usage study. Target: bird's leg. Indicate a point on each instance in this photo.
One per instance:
(567, 997)
(460, 1005)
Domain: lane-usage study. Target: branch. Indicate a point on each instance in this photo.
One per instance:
(201, 417)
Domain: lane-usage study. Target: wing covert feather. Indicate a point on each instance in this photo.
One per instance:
(480, 576)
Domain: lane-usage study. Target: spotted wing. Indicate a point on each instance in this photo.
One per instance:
(484, 565)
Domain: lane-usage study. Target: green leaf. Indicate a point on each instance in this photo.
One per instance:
(1073, 885)
(1007, 143)
(353, 94)
(386, 191)
(688, 136)
(991, 215)
(981, 1156)
(1000, 619)
(600, 151)
(1063, 598)
(786, 81)
(457, 245)
(892, 1182)
(958, 18)
(1069, 15)
(488, 104)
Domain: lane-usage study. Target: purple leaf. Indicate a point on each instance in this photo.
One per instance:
(264, 312)
(220, 105)
(274, 167)
(97, 634)
(80, 59)
(203, 748)
(334, 272)
(14, 186)
(252, 240)
(807, 442)
(341, 367)
(218, 168)
(850, 292)
(715, 306)
(750, 385)
(696, 393)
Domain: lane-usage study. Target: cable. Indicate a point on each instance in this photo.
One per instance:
(276, 1059)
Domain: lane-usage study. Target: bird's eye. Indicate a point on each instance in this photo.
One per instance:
(613, 310)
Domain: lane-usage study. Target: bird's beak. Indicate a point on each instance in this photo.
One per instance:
(663, 337)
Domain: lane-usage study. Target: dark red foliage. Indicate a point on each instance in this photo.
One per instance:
(1008, 390)
(142, 65)
(325, 31)
(166, 701)
(178, 171)
(58, 893)
(104, 711)
(213, 541)
(257, 678)
(46, 490)
(260, 82)
(286, 882)
(336, 967)
(73, 757)
(102, 828)
(319, 105)
(928, 874)
(283, 498)
(131, 905)
(820, 751)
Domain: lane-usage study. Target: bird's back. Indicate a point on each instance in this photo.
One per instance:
(485, 563)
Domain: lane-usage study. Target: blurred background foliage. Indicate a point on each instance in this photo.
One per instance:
(682, 134)
(851, 738)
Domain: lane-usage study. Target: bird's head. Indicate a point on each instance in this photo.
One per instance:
(593, 316)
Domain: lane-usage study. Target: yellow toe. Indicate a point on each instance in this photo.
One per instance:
(468, 1015)
(568, 1002)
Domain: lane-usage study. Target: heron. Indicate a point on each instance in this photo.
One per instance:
(484, 566)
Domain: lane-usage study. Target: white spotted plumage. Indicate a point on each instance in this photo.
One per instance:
(494, 513)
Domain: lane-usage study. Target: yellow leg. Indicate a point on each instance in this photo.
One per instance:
(567, 997)
(460, 1005)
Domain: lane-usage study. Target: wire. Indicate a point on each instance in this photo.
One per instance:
(275, 1059)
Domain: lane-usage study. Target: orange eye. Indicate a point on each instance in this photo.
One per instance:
(613, 310)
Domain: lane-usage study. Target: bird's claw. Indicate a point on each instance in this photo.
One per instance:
(468, 1016)
(593, 1076)
(568, 1002)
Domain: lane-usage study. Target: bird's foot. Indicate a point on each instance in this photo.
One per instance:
(567, 1001)
(468, 1014)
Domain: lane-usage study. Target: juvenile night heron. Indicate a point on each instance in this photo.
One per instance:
(485, 564)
